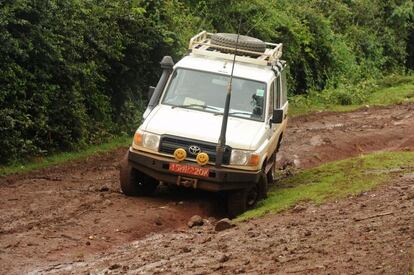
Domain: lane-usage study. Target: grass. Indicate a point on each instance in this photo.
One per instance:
(388, 91)
(64, 157)
(334, 180)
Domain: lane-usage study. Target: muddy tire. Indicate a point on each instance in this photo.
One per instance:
(135, 183)
(245, 42)
(271, 175)
(238, 201)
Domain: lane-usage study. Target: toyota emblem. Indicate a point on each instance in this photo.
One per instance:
(194, 150)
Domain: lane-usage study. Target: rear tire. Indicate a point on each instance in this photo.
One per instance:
(135, 183)
(271, 175)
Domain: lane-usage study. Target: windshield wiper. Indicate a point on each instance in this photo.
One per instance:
(203, 106)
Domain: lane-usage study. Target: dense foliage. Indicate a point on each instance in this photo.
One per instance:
(72, 72)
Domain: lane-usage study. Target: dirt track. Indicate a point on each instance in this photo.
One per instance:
(71, 214)
(369, 234)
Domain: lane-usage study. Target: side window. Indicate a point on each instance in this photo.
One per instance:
(284, 89)
(271, 99)
(277, 103)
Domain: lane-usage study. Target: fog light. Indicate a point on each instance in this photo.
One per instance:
(202, 158)
(180, 154)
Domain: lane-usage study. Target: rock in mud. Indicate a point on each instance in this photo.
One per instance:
(104, 189)
(185, 249)
(296, 163)
(195, 221)
(223, 258)
(211, 220)
(299, 208)
(285, 163)
(289, 164)
(114, 266)
(223, 224)
(158, 221)
(307, 233)
(316, 141)
(410, 195)
(107, 202)
(205, 240)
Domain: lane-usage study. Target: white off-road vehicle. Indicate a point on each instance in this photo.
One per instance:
(215, 121)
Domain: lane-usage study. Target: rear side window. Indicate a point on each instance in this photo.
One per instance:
(271, 103)
(283, 95)
(278, 88)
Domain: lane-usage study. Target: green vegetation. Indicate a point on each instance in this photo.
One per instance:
(72, 72)
(335, 180)
(75, 73)
(60, 158)
(394, 89)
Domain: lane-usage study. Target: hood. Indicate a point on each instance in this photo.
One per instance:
(205, 126)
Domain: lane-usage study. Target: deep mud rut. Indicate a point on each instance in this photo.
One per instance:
(72, 218)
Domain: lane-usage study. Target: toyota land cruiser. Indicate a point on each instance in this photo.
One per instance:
(214, 121)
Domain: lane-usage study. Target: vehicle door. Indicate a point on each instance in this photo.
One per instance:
(277, 100)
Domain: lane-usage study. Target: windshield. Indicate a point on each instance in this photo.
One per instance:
(207, 91)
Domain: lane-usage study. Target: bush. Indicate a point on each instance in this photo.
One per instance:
(74, 72)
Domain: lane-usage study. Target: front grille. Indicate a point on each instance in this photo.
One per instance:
(169, 144)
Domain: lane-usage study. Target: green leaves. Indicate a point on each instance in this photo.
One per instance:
(73, 72)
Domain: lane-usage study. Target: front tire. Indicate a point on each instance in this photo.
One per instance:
(135, 183)
(238, 201)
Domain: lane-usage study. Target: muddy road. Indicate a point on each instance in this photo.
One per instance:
(70, 212)
(372, 233)
(75, 212)
(324, 137)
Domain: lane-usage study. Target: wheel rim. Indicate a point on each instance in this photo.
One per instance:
(252, 196)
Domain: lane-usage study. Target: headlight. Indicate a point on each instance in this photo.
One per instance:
(147, 140)
(242, 157)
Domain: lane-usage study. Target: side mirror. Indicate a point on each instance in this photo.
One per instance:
(151, 90)
(277, 116)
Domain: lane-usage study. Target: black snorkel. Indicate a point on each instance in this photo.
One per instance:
(154, 94)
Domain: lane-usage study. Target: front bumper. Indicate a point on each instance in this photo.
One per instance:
(219, 178)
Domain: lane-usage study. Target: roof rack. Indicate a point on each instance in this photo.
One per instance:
(201, 44)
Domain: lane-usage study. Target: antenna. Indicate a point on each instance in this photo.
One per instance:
(222, 139)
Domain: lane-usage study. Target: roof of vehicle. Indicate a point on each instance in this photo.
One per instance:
(220, 66)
